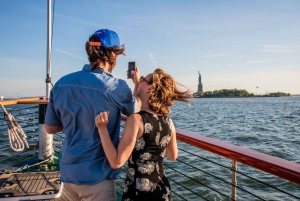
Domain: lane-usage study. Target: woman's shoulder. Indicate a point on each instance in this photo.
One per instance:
(135, 117)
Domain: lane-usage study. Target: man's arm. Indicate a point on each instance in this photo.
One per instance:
(53, 129)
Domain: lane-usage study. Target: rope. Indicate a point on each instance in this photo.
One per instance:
(16, 135)
(9, 171)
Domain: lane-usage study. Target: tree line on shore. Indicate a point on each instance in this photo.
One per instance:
(235, 93)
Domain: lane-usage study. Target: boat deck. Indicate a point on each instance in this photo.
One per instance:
(32, 186)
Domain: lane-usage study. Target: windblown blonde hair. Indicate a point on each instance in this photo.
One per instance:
(164, 91)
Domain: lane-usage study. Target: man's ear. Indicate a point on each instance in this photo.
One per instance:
(149, 90)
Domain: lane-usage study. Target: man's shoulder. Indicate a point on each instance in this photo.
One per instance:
(119, 88)
(118, 83)
(67, 78)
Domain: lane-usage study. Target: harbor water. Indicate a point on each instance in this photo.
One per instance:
(266, 125)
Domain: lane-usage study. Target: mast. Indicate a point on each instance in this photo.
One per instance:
(45, 140)
(49, 46)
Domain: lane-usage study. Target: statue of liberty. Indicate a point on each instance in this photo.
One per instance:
(199, 80)
(200, 86)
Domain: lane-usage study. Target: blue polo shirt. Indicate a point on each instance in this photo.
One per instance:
(75, 100)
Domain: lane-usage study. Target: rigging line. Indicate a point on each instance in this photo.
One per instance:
(53, 8)
(48, 78)
(52, 22)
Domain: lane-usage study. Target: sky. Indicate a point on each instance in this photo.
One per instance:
(243, 44)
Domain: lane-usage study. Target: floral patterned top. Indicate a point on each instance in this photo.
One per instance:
(145, 177)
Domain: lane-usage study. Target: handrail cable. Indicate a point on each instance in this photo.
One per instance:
(197, 181)
(237, 172)
(214, 189)
(265, 184)
(220, 179)
(204, 171)
(204, 158)
(185, 188)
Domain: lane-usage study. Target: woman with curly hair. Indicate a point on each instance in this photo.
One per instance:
(148, 137)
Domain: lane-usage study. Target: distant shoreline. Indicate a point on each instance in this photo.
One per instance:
(247, 97)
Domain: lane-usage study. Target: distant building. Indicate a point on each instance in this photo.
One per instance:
(200, 86)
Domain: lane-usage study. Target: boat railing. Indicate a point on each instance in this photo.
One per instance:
(206, 168)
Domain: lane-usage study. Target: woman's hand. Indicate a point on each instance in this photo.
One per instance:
(135, 75)
(101, 120)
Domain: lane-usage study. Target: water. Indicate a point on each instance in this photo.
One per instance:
(261, 124)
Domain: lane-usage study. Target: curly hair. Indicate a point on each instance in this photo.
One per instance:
(164, 91)
(97, 55)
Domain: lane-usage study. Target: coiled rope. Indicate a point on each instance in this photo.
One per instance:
(16, 135)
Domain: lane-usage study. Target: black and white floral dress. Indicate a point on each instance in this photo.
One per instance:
(145, 177)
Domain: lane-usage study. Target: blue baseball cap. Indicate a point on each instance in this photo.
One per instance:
(108, 38)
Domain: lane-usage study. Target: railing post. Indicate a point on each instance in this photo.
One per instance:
(233, 180)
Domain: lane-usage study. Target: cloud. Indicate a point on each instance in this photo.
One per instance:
(215, 55)
(152, 57)
(277, 48)
(254, 62)
(64, 52)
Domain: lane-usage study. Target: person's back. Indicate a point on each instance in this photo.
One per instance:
(74, 101)
(78, 98)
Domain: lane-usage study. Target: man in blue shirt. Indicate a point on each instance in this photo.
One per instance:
(74, 102)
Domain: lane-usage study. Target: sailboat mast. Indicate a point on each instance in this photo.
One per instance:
(45, 140)
(49, 46)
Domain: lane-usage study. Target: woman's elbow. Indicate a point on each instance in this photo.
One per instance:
(116, 165)
(172, 154)
(172, 158)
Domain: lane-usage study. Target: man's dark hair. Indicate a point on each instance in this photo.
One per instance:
(96, 55)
